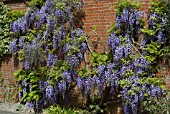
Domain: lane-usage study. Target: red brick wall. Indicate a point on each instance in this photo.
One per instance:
(8, 65)
(99, 14)
(16, 5)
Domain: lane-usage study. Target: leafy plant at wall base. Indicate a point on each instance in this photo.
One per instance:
(8, 90)
(59, 110)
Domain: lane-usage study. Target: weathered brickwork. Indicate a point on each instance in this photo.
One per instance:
(99, 15)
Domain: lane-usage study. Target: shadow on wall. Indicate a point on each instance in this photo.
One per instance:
(7, 59)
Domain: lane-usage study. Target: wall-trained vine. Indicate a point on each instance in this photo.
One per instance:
(52, 49)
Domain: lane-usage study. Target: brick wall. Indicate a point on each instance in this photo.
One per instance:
(8, 65)
(99, 15)
(16, 4)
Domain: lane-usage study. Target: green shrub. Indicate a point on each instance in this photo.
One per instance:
(59, 110)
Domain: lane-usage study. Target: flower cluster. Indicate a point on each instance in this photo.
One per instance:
(46, 30)
(136, 93)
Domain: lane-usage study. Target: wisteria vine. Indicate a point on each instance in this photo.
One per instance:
(52, 49)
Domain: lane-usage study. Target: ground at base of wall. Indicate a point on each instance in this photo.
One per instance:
(12, 108)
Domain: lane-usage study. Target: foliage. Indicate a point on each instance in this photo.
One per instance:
(35, 3)
(157, 106)
(52, 49)
(6, 17)
(59, 110)
(28, 83)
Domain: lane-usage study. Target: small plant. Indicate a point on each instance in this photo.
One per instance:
(59, 110)
(8, 90)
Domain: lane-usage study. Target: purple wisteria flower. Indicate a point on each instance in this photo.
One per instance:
(27, 65)
(21, 42)
(118, 53)
(73, 60)
(13, 46)
(100, 69)
(49, 92)
(67, 76)
(118, 21)
(52, 60)
(125, 15)
(62, 87)
(79, 32)
(113, 41)
(80, 82)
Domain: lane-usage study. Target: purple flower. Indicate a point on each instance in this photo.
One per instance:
(24, 90)
(13, 46)
(125, 15)
(41, 85)
(160, 36)
(50, 24)
(72, 60)
(153, 17)
(21, 42)
(66, 47)
(88, 83)
(79, 32)
(131, 21)
(143, 62)
(62, 87)
(143, 44)
(52, 60)
(127, 50)
(118, 53)
(80, 56)
(101, 69)
(15, 27)
(83, 47)
(27, 65)
(118, 21)
(128, 39)
(126, 109)
(23, 26)
(67, 76)
(60, 15)
(38, 37)
(80, 82)
(49, 92)
(113, 41)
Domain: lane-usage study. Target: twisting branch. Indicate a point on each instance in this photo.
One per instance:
(137, 50)
(100, 39)
(135, 42)
(86, 61)
(89, 48)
